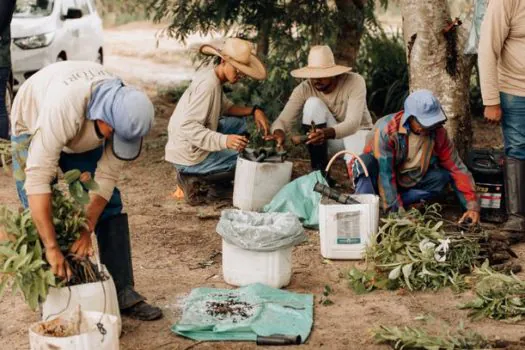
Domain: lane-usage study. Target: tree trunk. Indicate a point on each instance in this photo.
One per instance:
(351, 14)
(263, 38)
(436, 62)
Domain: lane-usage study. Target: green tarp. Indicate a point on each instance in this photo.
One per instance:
(245, 313)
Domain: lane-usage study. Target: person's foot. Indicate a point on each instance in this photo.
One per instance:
(142, 311)
(191, 186)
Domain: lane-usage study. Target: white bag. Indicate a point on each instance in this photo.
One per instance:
(90, 297)
(90, 337)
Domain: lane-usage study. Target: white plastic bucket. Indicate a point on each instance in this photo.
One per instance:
(345, 229)
(90, 297)
(241, 267)
(89, 339)
(257, 183)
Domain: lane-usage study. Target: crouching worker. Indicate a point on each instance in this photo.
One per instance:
(76, 115)
(333, 99)
(201, 142)
(410, 158)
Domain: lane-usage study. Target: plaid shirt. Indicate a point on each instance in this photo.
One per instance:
(389, 145)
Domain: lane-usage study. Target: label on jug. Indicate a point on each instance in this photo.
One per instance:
(348, 228)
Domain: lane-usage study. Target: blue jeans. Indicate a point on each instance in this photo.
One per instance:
(221, 161)
(4, 120)
(82, 161)
(430, 186)
(513, 125)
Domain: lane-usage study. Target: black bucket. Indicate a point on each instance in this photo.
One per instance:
(486, 166)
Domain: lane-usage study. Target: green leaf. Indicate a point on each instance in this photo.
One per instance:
(395, 273)
(91, 185)
(8, 252)
(77, 192)
(72, 176)
(407, 270)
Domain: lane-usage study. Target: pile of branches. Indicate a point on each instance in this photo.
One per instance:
(498, 296)
(418, 338)
(421, 250)
(22, 260)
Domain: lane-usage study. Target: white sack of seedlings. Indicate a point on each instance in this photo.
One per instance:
(97, 296)
(78, 330)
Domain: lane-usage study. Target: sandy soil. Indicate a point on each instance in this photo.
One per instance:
(169, 240)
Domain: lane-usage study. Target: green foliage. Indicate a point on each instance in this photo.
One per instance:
(418, 338)
(22, 262)
(413, 250)
(382, 63)
(499, 296)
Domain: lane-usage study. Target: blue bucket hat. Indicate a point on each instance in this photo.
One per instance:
(425, 107)
(128, 111)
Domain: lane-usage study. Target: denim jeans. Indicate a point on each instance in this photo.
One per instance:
(82, 161)
(221, 161)
(4, 120)
(430, 186)
(513, 125)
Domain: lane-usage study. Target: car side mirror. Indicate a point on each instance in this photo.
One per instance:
(73, 13)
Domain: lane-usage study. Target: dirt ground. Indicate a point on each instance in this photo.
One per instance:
(170, 239)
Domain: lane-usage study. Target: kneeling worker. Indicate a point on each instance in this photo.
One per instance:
(76, 115)
(201, 141)
(410, 158)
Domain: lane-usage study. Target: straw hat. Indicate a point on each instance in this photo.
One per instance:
(239, 54)
(321, 64)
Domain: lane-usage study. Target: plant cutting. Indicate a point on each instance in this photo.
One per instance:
(22, 263)
(499, 296)
(418, 338)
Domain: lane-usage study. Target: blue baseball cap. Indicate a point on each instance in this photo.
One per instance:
(128, 111)
(133, 115)
(424, 106)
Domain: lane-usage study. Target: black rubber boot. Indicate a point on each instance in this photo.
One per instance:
(515, 199)
(115, 253)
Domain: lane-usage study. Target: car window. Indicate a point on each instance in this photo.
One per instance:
(83, 5)
(33, 8)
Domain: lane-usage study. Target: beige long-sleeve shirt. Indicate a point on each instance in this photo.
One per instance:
(51, 106)
(347, 103)
(501, 52)
(192, 130)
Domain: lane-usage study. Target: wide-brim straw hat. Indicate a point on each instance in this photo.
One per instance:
(239, 54)
(321, 64)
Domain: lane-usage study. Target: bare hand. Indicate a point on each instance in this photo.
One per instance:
(58, 263)
(278, 136)
(493, 114)
(471, 217)
(236, 142)
(82, 246)
(261, 121)
(320, 136)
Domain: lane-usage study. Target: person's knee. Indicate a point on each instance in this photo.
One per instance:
(315, 110)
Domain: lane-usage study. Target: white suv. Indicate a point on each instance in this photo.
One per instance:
(47, 31)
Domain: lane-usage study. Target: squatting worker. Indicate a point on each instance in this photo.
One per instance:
(76, 115)
(501, 58)
(201, 141)
(410, 158)
(334, 99)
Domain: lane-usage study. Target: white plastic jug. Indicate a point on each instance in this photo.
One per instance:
(257, 183)
(90, 337)
(345, 229)
(241, 267)
(90, 297)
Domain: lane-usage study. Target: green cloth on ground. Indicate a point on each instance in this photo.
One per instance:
(259, 310)
(299, 197)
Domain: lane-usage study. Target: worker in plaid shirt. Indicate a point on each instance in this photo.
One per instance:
(411, 159)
